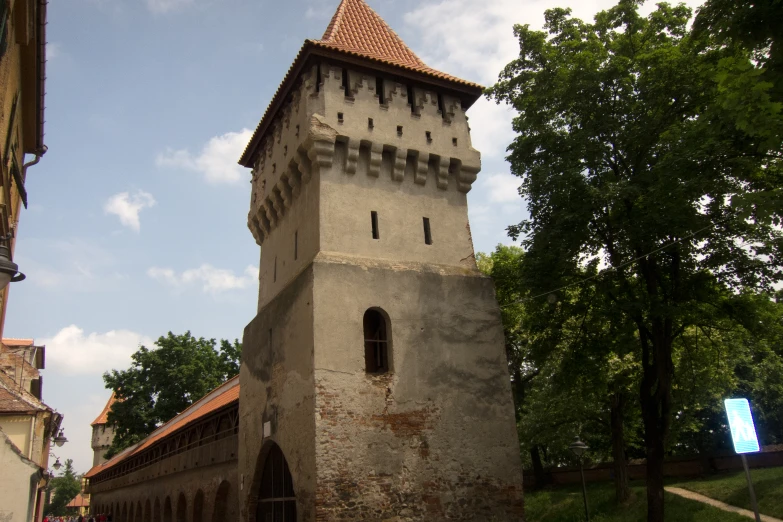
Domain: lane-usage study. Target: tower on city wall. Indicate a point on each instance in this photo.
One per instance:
(374, 383)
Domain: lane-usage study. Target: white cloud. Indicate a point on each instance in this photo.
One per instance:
(217, 160)
(211, 279)
(53, 50)
(127, 207)
(474, 39)
(71, 352)
(165, 6)
(503, 188)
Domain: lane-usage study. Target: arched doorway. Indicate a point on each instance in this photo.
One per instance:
(276, 500)
(148, 511)
(156, 511)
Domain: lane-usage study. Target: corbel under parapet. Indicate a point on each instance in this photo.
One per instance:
(422, 166)
(443, 172)
(321, 138)
(376, 158)
(466, 175)
(400, 159)
(352, 157)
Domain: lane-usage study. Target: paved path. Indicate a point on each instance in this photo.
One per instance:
(718, 504)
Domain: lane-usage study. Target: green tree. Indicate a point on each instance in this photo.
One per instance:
(638, 149)
(65, 488)
(165, 380)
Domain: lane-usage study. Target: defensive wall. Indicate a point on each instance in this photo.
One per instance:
(184, 471)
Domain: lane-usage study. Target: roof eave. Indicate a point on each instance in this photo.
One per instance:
(468, 92)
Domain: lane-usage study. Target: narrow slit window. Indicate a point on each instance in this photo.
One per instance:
(429, 136)
(374, 221)
(379, 90)
(441, 107)
(346, 84)
(411, 101)
(318, 78)
(370, 123)
(427, 231)
(376, 342)
(296, 245)
(399, 130)
(274, 273)
(340, 118)
(454, 141)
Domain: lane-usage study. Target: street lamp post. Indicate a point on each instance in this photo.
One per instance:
(579, 447)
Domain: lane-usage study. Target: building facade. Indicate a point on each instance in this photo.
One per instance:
(374, 378)
(27, 427)
(22, 76)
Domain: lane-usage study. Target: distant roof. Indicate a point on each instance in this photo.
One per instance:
(79, 501)
(10, 341)
(356, 31)
(103, 417)
(15, 400)
(225, 394)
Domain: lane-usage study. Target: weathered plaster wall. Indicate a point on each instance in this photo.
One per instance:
(434, 438)
(18, 483)
(17, 429)
(277, 388)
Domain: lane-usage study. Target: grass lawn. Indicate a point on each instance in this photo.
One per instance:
(732, 488)
(564, 504)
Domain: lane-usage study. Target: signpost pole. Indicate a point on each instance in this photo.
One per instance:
(753, 503)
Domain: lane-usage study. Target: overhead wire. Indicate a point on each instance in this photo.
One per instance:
(610, 269)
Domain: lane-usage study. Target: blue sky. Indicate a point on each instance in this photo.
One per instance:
(137, 217)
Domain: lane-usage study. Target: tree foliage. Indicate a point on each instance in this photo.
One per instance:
(165, 380)
(654, 152)
(65, 488)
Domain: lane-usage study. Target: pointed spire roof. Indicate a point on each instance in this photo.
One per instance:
(103, 417)
(357, 33)
(356, 27)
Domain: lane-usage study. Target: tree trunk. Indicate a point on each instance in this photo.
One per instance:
(617, 412)
(538, 467)
(658, 369)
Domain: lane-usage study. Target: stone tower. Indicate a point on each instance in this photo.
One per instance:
(374, 383)
(102, 434)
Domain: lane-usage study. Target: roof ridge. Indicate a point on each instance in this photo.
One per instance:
(334, 23)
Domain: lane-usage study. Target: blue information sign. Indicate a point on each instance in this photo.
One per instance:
(743, 431)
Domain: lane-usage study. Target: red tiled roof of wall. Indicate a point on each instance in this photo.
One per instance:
(223, 395)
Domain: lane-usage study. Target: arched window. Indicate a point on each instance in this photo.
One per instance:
(276, 500)
(376, 341)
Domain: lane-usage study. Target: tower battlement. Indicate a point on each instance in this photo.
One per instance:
(396, 128)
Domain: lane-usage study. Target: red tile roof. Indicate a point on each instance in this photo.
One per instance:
(8, 341)
(14, 400)
(103, 417)
(358, 32)
(225, 394)
(78, 501)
